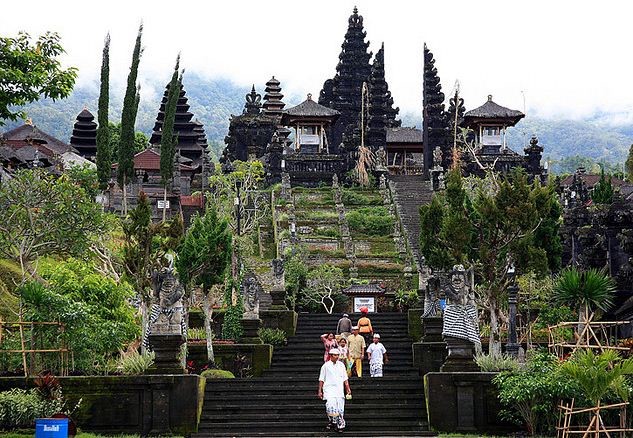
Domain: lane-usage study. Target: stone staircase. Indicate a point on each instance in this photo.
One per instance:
(283, 401)
(410, 192)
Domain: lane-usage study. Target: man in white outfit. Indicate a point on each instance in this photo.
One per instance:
(377, 355)
(332, 382)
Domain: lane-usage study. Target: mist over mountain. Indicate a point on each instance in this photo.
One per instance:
(601, 138)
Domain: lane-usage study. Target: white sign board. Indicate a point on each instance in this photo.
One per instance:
(163, 205)
(369, 302)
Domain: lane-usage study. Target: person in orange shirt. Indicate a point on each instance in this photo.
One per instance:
(364, 326)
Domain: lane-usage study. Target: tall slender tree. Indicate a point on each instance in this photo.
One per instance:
(168, 139)
(128, 120)
(104, 154)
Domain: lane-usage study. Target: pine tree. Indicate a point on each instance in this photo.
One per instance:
(128, 120)
(603, 191)
(168, 139)
(104, 154)
(629, 165)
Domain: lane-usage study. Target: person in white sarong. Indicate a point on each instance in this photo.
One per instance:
(377, 355)
(333, 385)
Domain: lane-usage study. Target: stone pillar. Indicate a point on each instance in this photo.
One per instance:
(250, 328)
(460, 356)
(167, 349)
(431, 352)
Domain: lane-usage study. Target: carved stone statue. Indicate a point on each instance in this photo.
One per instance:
(383, 182)
(167, 315)
(251, 290)
(460, 315)
(278, 271)
(437, 157)
(381, 159)
(460, 328)
(335, 184)
(432, 298)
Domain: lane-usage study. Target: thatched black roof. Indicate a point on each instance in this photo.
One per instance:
(309, 108)
(364, 289)
(404, 135)
(492, 111)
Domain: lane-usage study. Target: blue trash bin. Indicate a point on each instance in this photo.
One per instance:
(51, 428)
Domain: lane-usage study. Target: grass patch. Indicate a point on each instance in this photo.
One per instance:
(371, 221)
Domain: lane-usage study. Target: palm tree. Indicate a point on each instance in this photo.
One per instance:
(586, 290)
(599, 374)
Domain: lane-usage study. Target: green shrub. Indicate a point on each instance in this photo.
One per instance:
(217, 374)
(354, 198)
(530, 395)
(20, 408)
(406, 299)
(272, 336)
(136, 364)
(232, 326)
(371, 221)
(496, 362)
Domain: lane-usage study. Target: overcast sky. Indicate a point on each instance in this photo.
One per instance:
(569, 58)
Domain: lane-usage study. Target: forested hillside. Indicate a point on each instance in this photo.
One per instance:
(568, 143)
(212, 102)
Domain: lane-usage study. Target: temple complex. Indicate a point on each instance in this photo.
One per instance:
(84, 137)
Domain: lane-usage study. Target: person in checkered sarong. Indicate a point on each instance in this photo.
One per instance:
(460, 316)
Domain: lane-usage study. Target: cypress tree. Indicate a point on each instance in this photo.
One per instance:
(168, 139)
(628, 166)
(128, 120)
(104, 154)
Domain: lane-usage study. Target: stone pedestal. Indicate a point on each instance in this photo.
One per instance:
(428, 357)
(250, 328)
(432, 329)
(167, 349)
(278, 295)
(460, 356)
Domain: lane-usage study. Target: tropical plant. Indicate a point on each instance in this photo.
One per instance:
(275, 337)
(599, 375)
(41, 215)
(30, 71)
(530, 395)
(135, 364)
(586, 291)
(496, 362)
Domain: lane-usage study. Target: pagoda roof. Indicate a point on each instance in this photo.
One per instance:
(364, 289)
(309, 108)
(590, 180)
(85, 115)
(28, 132)
(404, 135)
(492, 111)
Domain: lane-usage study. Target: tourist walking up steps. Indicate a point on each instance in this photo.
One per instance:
(329, 341)
(364, 325)
(332, 382)
(344, 326)
(376, 355)
(356, 346)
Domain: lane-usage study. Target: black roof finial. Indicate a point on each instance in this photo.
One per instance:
(309, 96)
(490, 98)
(355, 10)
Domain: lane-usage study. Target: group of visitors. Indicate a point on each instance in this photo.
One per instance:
(343, 355)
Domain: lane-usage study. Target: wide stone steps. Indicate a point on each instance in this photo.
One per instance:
(283, 401)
